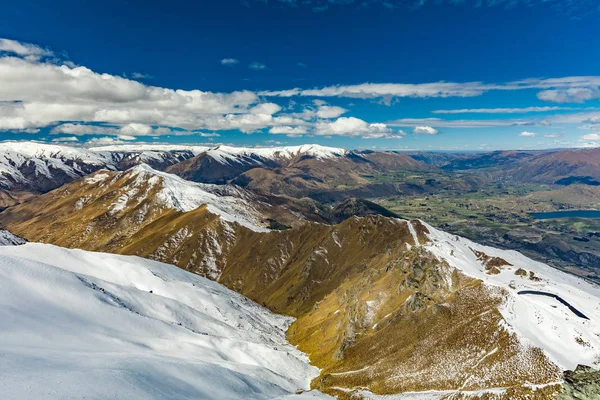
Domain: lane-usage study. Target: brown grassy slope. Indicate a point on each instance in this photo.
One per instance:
(331, 179)
(9, 198)
(414, 324)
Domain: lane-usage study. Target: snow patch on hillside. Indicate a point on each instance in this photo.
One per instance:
(540, 321)
(79, 324)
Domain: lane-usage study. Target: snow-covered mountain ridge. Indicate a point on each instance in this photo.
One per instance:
(94, 325)
(229, 202)
(231, 153)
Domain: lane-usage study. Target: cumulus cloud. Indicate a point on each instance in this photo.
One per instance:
(327, 112)
(425, 130)
(527, 134)
(35, 94)
(265, 108)
(229, 61)
(354, 127)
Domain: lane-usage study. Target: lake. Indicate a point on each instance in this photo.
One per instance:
(567, 214)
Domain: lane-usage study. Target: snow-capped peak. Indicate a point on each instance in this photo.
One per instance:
(46, 159)
(227, 201)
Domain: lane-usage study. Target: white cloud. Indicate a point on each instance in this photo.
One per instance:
(554, 135)
(354, 127)
(374, 90)
(502, 110)
(35, 94)
(593, 120)
(128, 130)
(25, 50)
(126, 137)
(66, 139)
(591, 136)
(289, 130)
(103, 141)
(327, 112)
(229, 61)
(265, 108)
(527, 134)
(140, 75)
(257, 66)
(460, 123)
(425, 130)
(571, 95)
(566, 89)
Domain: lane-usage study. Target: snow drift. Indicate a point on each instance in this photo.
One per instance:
(81, 324)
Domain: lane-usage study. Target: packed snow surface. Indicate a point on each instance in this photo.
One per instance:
(538, 320)
(77, 324)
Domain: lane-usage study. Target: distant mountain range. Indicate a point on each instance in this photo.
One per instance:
(562, 167)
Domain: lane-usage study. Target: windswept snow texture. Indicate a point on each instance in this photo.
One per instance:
(77, 324)
(226, 201)
(539, 320)
(8, 239)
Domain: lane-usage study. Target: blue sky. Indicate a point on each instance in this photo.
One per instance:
(385, 74)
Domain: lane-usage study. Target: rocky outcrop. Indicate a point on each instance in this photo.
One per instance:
(581, 384)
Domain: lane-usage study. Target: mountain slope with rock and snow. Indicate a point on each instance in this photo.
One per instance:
(569, 335)
(94, 325)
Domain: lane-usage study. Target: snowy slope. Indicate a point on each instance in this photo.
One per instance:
(539, 320)
(77, 324)
(229, 202)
